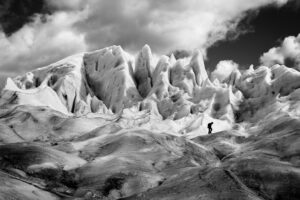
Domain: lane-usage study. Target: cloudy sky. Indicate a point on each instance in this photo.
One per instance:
(35, 33)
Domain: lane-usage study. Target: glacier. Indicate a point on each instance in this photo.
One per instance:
(107, 124)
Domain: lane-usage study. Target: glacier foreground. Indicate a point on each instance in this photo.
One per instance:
(109, 125)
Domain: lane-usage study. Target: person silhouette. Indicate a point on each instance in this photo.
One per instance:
(209, 126)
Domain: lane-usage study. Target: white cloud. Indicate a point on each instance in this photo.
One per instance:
(38, 43)
(287, 53)
(166, 24)
(79, 25)
(223, 70)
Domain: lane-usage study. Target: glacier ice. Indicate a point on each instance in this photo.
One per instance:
(107, 124)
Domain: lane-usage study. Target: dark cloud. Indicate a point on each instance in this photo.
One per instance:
(15, 13)
(268, 27)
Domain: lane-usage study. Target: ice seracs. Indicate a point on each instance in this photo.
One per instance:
(285, 80)
(197, 64)
(143, 70)
(109, 80)
(109, 74)
(162, 87)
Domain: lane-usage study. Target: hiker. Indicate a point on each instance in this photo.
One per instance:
(209, 126)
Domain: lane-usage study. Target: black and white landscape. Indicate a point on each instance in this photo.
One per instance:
(105, 120)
